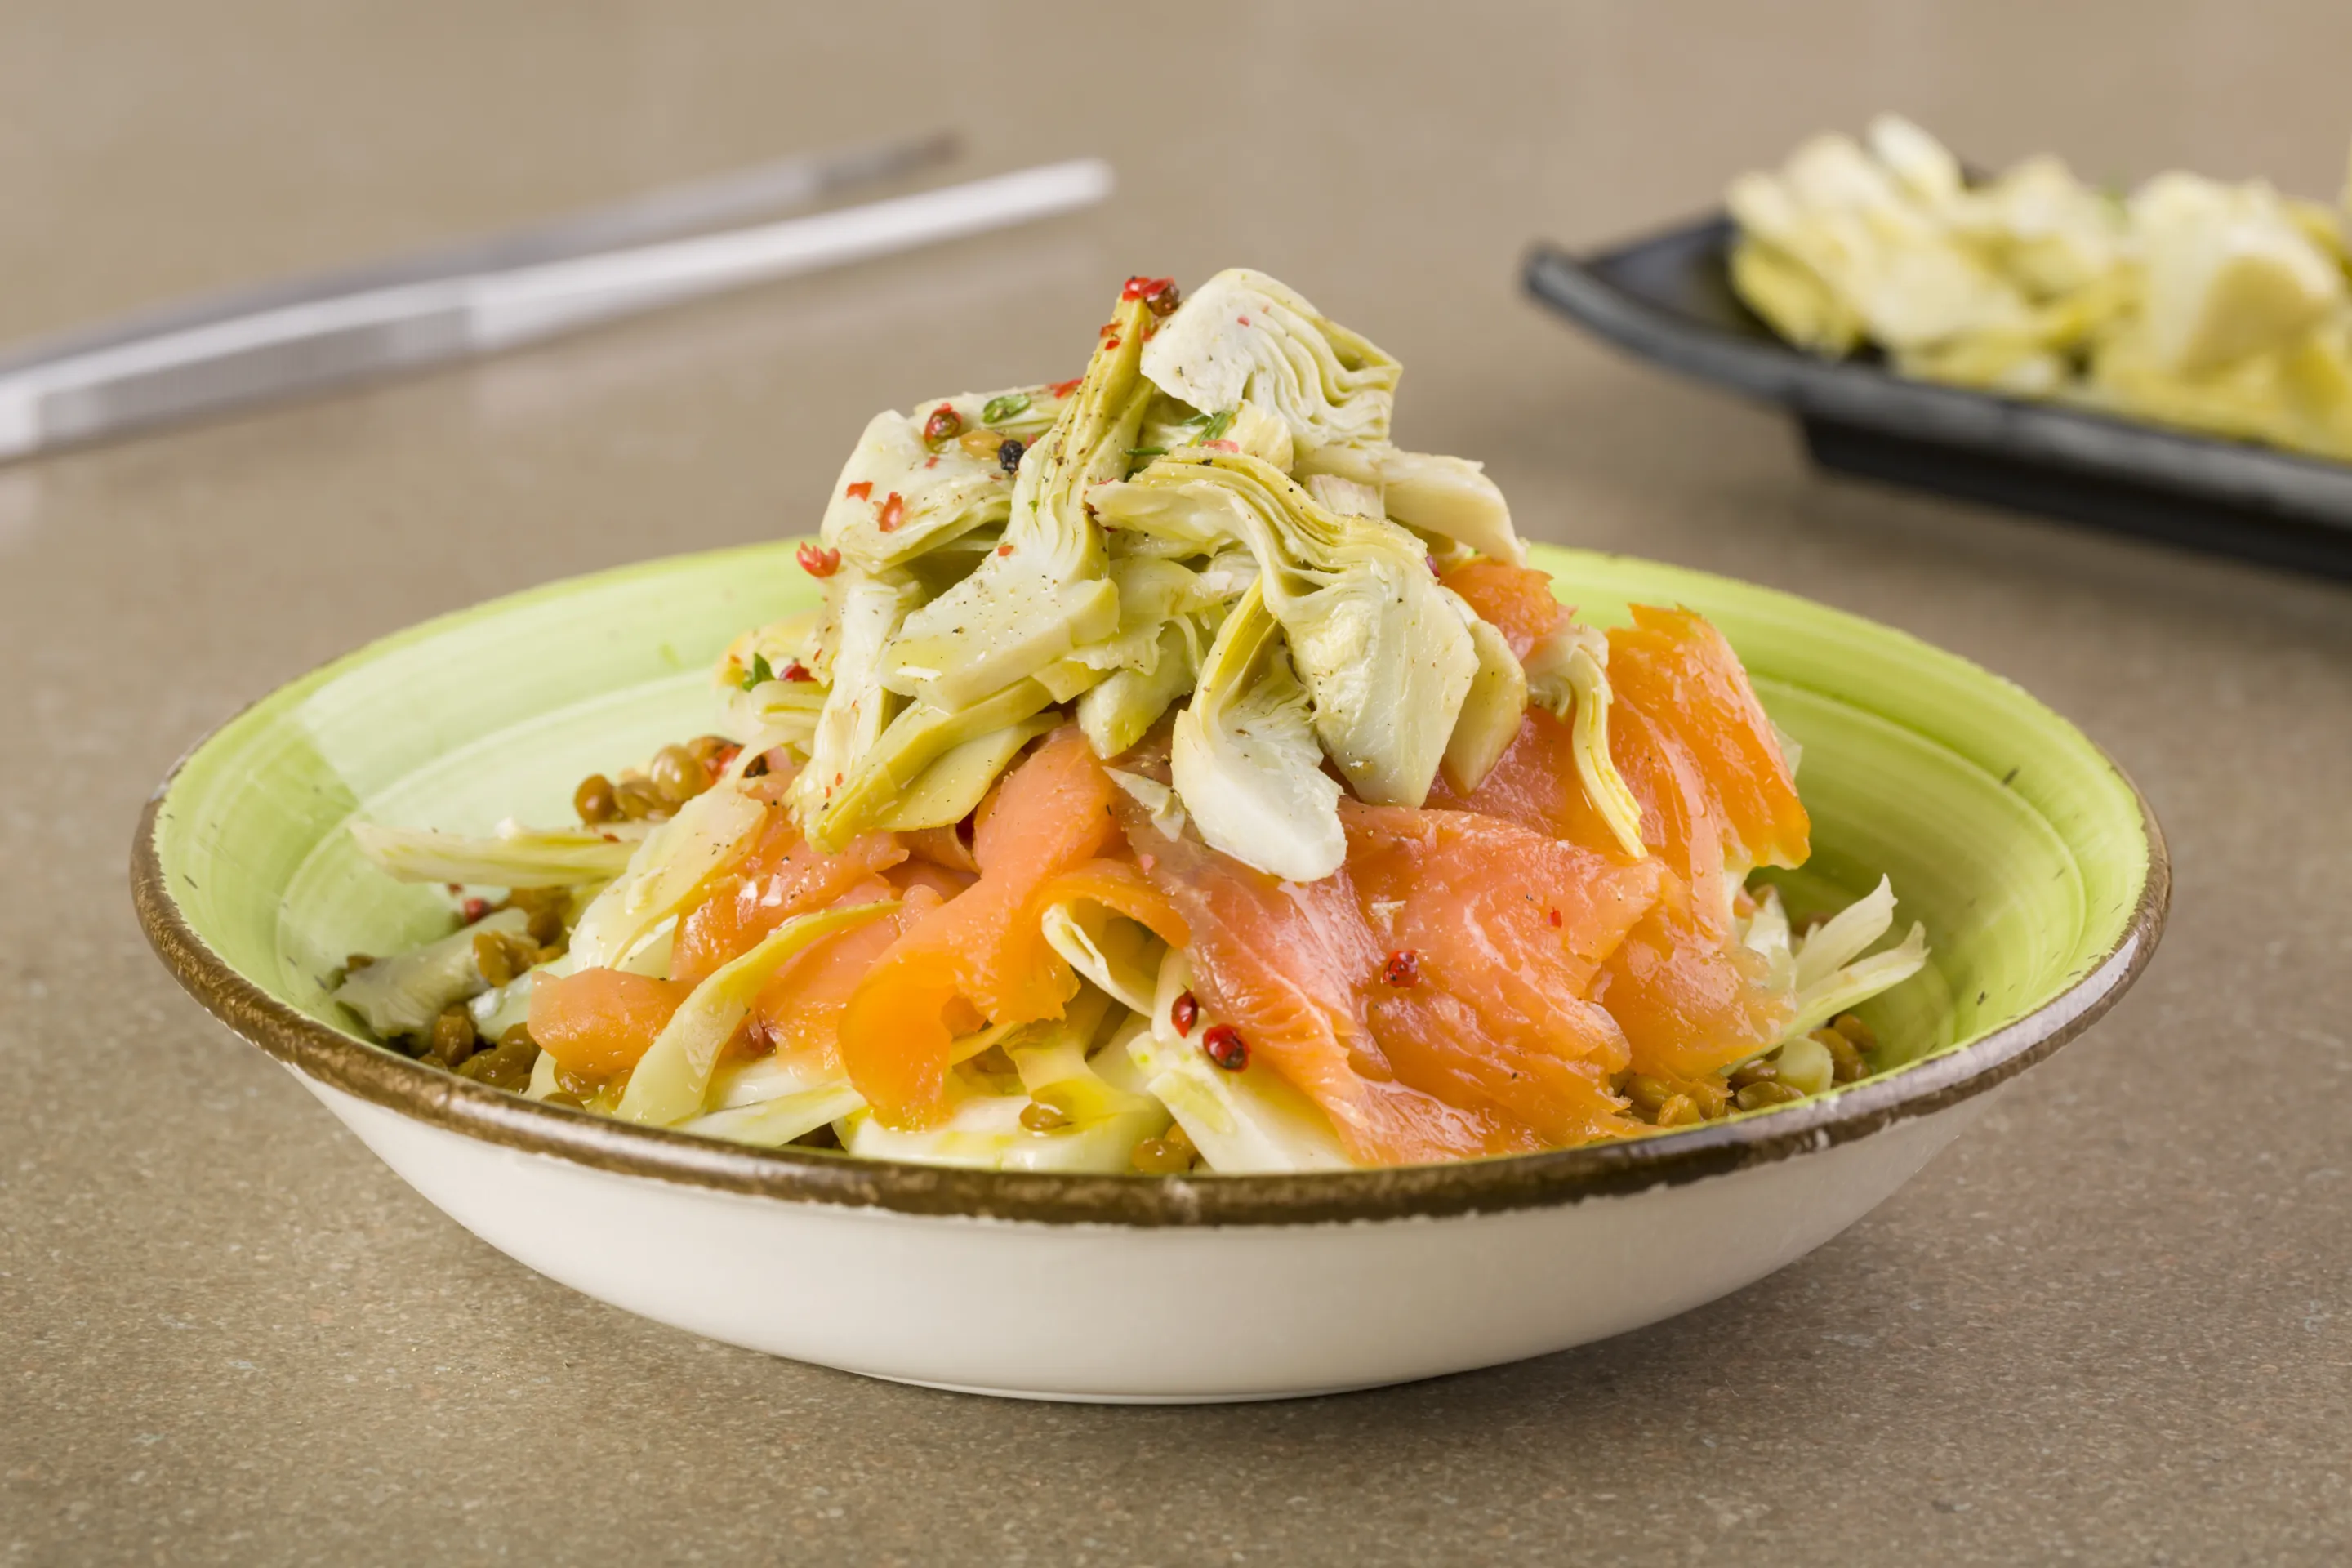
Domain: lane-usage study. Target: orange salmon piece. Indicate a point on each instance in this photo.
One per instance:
(1675, 670)
(1691, 1001)
(782, 875)
(1493, 935)
(1118, 886)
(1283, 963)
(1535, 785)
(1051, 815)
(800, 1009)
(945, 846)
(1516, 601)
(599, 1021)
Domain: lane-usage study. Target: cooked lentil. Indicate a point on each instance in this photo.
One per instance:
(453, 1038)
(594, 800)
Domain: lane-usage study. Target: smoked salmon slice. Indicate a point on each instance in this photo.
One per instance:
(1492, 935)
(1673, 667)
(983, 947)
(600, 1021)
(1691, 1001)
(799, 1010)
(1516, 601)
(1283, 963)
(781, 875)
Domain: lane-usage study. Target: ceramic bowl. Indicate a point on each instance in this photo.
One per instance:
(2035, 865)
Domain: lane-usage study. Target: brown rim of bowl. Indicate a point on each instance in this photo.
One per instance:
(383, 1076)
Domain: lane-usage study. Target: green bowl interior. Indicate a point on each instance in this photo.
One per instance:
(2004, 829)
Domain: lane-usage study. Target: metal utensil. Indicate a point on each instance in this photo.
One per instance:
(490, 295)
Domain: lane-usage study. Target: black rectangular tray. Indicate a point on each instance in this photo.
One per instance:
(1669, 300)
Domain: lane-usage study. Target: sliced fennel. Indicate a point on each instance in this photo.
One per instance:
(1827, 969)
(707, 832)
(1245, 760)
(1119, 955)
(1247, 1121)
(674, 1075)
(517, 857)
(1104, 1122)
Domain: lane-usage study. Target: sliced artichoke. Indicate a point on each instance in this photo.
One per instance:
(1045, 592)
(1245, 760)
(1243, 337)
(1387, 660)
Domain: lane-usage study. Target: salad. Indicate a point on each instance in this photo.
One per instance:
(2217, 308)
(1176, 773)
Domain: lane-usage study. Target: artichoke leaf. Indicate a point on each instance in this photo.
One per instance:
(1118, 713)
(404, 993)
(948, 791)
(1243, 756)
(672, 1080)
(1242, 336)
(1429, 493)
(918, 737)
(1493, 710)
(1045, 591)
(858, 707)
(516, 857)
(1387, 661)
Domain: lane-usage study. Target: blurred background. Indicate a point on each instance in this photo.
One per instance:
(2113, 1323)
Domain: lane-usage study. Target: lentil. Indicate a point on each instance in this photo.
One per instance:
(1865, 1038)
(1038, 1116)
(1757, 1096)
(594, 799)
(501, 958)
(639, 800)
(1846, 1063)
(677, 774)
(1678, 1111)
(1167, 1154)
(506, 1065)
(452, 1038)
(1646, 1093)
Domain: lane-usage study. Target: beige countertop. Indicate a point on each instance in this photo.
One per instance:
(2111, 1324)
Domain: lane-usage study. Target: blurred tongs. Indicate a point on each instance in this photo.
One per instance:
(493, 294)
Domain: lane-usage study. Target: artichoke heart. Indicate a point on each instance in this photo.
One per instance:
(1388, 662)
(1244, 756)
(1046, 591)
(1243, 337)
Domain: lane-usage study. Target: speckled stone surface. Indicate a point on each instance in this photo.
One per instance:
(2111, 1325)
